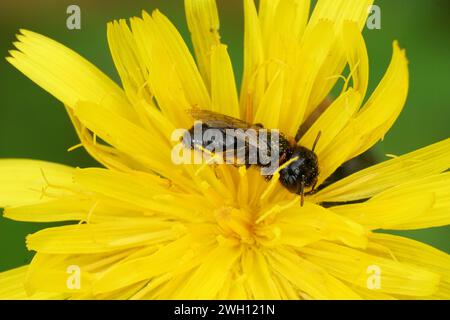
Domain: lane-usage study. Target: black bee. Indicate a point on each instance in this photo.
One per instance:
(298, 175)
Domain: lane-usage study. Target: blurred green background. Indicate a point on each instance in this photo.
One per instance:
(34, 125)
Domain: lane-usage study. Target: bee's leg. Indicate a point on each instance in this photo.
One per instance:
(312, 191)
(259, 125)
(268, 178)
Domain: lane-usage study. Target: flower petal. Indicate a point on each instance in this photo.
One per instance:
(282, 42)
(268, 112)
(30, 181)
(312, 223)
(65, 74)
(417, 253)
(253, 78)
(311, 58)
(223, 86)
(385, 103)
(436, 215)
(353, 266)
(192, 82)
(373, 120)
(332, 121)
(357, 56)
(141, 191)
(388, 213)
(307, 277)
(75, 208)
(12, 287)
(103, 237)
(125, 136)
(160, 262)
(173, 76)
(259, 276)
(129, 64)
(55, 272)
(368, 182)
(206, 281)
(339, 12)
(203, 22)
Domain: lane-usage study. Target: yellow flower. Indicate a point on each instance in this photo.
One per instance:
(152, 230)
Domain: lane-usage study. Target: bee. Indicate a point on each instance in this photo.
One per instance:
(301, 173)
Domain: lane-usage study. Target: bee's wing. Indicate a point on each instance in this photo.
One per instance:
(251, 147)
(218, 120)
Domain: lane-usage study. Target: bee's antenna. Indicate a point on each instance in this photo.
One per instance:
(317, 140)
(302, 193)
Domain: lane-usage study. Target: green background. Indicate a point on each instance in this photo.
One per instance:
(34, 125)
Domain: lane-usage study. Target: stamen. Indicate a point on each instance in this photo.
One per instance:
(77, 146)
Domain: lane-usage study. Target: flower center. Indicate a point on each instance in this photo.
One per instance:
(241, 225)
(236, 223)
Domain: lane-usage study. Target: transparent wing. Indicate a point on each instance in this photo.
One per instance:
(218, 120)
(248, 141)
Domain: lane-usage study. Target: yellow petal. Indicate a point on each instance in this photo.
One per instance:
(31, 181)
(71, 209)
(163, 78)
(53, 273)
(357, 56)
(312, 223)
(311, 57)
(141, 191)
(436, 215)
(203, 22)
(53, 210)
(331, 122)
(72, 274)
(253, 79)
(12, 287)
(355, 267)
(125, 136)
(385, 103)
(268, 112)
(368, 182)
(108, 156)
(282, 42)
(163, 261)
(129, 64)
(390, 213)
(206, 281)
(259, 276)
(238, 289)
(65, 74)
(223, 86)
(373, 120)
(339, 12)
(103, 237)
(307, 277)
(185, 65)
(172, 74)
(368, 294)
(417, 253)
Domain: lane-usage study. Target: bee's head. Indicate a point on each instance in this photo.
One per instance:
(302, 172)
